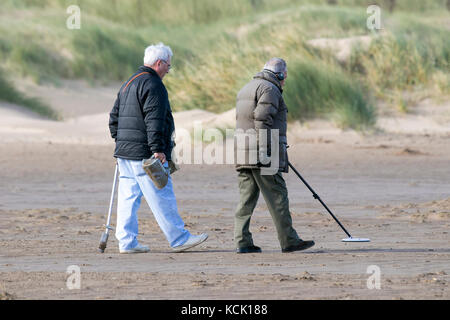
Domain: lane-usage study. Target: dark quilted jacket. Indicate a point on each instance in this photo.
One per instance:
(141, 120)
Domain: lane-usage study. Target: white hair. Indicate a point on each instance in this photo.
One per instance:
(276, 65)
(157, 52)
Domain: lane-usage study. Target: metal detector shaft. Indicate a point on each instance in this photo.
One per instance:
(104, 237)
(316, 196)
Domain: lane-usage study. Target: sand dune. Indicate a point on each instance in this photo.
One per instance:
(341, 47)
(20, 124)
(85, 109)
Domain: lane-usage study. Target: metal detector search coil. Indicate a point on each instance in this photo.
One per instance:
(351, 239)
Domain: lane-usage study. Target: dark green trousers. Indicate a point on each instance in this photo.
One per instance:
(274, 191)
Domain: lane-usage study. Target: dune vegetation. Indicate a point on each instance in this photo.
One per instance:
(219, 45)
(10, 94)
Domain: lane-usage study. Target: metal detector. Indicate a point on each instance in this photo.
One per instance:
(316, 196)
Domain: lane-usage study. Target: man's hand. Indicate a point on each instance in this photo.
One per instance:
(161, 156)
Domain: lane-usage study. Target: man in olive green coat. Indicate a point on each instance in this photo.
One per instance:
(261, 125)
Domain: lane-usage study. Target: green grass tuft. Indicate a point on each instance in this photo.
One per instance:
(219, 45)
(317, 89)
(9, 94)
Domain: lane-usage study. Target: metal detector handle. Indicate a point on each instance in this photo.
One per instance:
(316, 196)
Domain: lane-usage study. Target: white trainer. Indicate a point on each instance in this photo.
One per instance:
(191, 242)
(138, 249)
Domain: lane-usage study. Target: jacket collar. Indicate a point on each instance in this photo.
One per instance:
(148, 69)
(269, 76)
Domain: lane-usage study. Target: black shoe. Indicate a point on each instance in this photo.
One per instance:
(301, 246)
(249, 249)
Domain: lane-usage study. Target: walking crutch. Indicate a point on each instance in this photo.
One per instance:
(104, 237)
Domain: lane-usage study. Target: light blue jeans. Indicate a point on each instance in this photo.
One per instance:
(133, 184)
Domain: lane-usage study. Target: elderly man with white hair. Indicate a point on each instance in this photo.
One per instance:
(260, 108)
(142, 126)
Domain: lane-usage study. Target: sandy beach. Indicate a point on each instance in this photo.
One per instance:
(391, 185)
